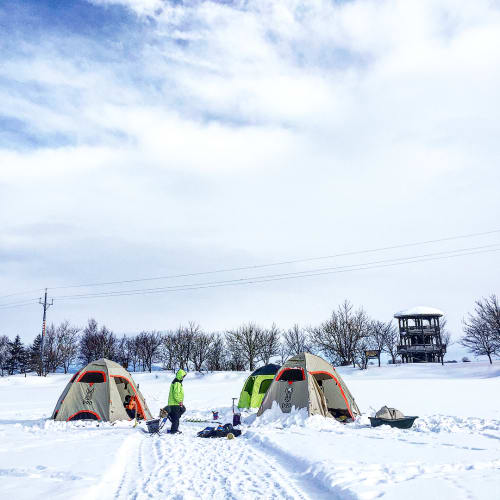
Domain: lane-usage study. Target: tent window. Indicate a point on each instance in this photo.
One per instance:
(120, 380)
(249, 385)
(92, 378)
(264, 386)
(291, 375)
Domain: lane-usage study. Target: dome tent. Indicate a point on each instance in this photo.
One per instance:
(97, 392)
(308, 381)
(256, 386)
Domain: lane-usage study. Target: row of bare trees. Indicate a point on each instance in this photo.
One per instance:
(343, 339)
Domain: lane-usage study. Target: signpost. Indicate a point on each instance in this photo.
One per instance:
(372, 354)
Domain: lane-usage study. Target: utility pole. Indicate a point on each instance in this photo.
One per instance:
(45, 305)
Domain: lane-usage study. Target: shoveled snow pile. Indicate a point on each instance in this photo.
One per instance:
(452, 451)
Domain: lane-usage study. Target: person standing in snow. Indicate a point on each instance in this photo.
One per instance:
(176, 406)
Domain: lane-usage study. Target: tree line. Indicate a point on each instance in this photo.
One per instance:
(343, 339)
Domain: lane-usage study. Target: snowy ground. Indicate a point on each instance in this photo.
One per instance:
(453, 450)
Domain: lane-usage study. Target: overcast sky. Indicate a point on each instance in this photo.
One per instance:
(144, 138)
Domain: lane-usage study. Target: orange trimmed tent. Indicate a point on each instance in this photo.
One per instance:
(308, 381)
(98, 392)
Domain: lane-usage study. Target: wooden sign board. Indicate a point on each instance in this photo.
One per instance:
(372, 354)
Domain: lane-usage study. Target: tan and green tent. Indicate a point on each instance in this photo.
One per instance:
(308, 381)
(256, 386)
(97, 392)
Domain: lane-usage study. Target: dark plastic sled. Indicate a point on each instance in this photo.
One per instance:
(400, 423)
(156, 425)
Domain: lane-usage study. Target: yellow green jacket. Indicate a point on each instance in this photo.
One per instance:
(176, 394)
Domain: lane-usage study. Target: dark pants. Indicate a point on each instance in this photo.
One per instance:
(174, 414)
(130, 413)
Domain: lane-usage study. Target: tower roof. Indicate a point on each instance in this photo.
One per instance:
(419, 312)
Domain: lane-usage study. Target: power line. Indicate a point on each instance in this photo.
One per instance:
(278, 277)
(260, 266)
(18, 304)
(280, 263)
(285, 276)
(21, 293)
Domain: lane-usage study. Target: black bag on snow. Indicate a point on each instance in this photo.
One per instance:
(219, 431)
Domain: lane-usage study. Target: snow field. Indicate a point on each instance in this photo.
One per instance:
(453, 450)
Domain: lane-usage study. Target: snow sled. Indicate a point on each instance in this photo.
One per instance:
(400, 423)
(220, 431)
(392, 417)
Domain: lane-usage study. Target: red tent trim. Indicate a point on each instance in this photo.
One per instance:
(83, 411)
(141, 410)
(339, 386)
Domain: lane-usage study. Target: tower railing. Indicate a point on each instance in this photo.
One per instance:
(421, 348)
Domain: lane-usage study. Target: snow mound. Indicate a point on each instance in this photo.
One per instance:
(274, 417)
(453, 424)
(297, 418)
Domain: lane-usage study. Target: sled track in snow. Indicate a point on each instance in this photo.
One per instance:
(187, 467)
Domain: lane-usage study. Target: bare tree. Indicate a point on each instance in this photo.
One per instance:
(51, 354)
(4, 353)
(182, 344)
(283, 353)
(391, 340)
(123, 354)
(200, 350)
(148, 344)
(296, 341)
(67, 344)
(133, 349)
(271, 343)
(245, 343)
(377, 334)
(339, 337)
(167, 351)
(235, 360)
(217, 355)
(360, 357)
(489, 312)
(493, 315)
(380, 337)
(482, 328)
(89, 348)
(97, 343)
(444, 332)
(107, 343)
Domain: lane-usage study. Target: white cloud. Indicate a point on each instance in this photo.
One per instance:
(253, 131)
